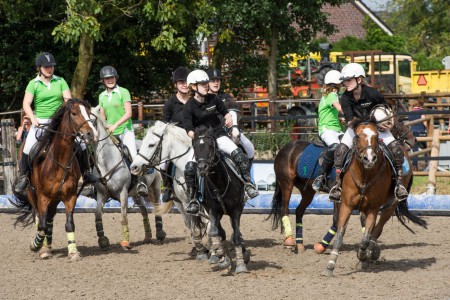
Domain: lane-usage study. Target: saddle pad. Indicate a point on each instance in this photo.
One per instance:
(308, 164)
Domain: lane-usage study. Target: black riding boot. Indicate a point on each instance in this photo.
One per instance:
(24, 169)
(141, 186)
(339, 155)
(190, 172)
(400, 191)
(85, 167)
(325, 167)
(241, 160)
(168, 183)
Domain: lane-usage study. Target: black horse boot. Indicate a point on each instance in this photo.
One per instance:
(190, 172)
(400, 191)
(339, 155)
(141, 186)
(24, 169)
(241, 160)
(85, 167)
(325, 167)
(168, 183)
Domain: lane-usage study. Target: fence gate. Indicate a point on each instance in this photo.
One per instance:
(9, 155)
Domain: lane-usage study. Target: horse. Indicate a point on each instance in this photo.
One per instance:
(116, 182)
(287, 176)
(168, 142)
(368, 186)
(222, 191)
(55, 175)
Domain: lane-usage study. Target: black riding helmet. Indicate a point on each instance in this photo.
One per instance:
(180, 74)
(45, 59)
(214, 74)
(108, 71)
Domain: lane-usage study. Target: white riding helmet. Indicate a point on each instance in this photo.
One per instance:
(352, 70)
(333, 77)
(197, 76)
(384, 116)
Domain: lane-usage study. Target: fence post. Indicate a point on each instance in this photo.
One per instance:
(9, 152)
(433, 165)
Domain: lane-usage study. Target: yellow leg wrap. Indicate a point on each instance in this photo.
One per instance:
(71, 240)
(287, 226)
(125, 233)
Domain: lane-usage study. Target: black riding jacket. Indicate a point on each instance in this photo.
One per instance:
(360, 109)
(173, 111)
(206, 113)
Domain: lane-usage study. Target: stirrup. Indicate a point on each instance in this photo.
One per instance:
(251, 191)
(166, 195)
(193, 207)
(142, 189)
(400, 189)
(22, 185)
(317, 185)
(335, 194)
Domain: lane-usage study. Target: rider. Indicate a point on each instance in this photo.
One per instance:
(48, 92)
(215, 82)
(204, 109)
(173, 113)
(329, 125)
(115, 107)
(357, 102)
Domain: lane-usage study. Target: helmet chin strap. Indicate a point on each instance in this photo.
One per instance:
(200, 94)
(42, 74)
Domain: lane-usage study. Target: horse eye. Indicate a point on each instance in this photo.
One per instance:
(151, 145)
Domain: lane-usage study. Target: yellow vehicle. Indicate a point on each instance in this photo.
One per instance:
(430, 81)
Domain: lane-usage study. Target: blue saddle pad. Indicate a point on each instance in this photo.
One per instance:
(308, 164)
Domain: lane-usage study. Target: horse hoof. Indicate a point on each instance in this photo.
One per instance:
(289, 242)
(364, 265)
(74, 256)
(103, 242)
(34, 248)
(374, 251)
(246, 256)
(147, 240)
(45, 253)
(225, 263)
(201, 256)
(242, 268)
(213, 260)
(125, 245)
(319, 248)
(160, 235)
(327, 273)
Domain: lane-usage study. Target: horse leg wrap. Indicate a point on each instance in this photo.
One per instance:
(239, 255)
(332, 262)
(287, 226)
(216, 244)
(72, 246)
(159, 222)
(299, 233)
(99, 228)
(198, 244)
(38, 241)
(49, 234)
(125, 233)
(329, 236)
(147, 228)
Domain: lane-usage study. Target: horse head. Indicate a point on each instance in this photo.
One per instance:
(233, 131)
(205, 149)
(365, 143)
(80, 124)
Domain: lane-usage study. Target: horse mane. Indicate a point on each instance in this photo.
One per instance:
(176, 132)
(96, 112)
(203, 130)
(357, 121)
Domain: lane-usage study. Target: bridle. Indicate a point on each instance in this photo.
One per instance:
(359, 152)
(213, 158)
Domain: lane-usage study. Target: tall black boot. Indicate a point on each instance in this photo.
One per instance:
(396, 149)
(325, 166)
(168, 183)
(339, 155)
(190, 172)
(241, 160)
(86, 168)
(24, 169)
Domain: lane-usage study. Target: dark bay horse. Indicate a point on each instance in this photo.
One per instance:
(367, 186)
(222, 192)
(55, 176)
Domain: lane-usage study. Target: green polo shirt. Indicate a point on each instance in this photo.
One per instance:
(47, 98)
(328, 114)
(114, 108)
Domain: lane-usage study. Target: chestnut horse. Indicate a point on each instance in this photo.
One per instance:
(55, 175)
(367, 186)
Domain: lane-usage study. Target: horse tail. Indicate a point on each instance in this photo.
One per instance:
(277, 202)
(163, 208)
(402, 212)
(25, 214)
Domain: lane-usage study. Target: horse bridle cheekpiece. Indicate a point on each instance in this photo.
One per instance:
(157, 153)
(359, 153)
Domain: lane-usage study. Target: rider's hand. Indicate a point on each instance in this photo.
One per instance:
(112, 128)
(228, 122)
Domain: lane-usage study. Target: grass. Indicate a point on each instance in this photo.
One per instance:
(420, 185)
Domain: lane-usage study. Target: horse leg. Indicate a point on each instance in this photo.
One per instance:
(242, 255)
(213, 258)
(307, 197)
(39, 238)
(103, 241)
(45, 251)
(154, 195)
(216, 241)
(386, 214)
(344, 216)
(371, 218)
(145, 220)
(125, 242)
(286, 187)
(70, 229)
(322, 246)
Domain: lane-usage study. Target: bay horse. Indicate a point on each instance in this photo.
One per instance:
(168, 142)
(55, 175)
(222, 191)
(368, 186)
(116, 182)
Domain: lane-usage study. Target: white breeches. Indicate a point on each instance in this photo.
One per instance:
(224, 143)
(330, 137)
(385, 136)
